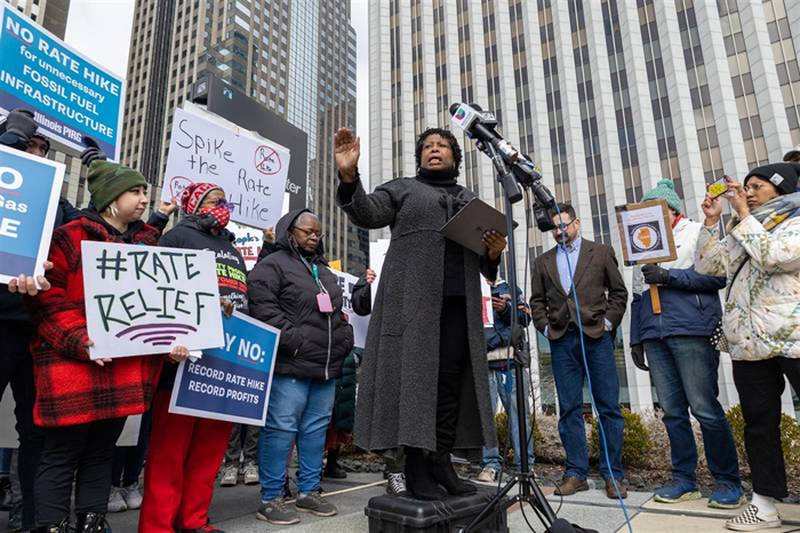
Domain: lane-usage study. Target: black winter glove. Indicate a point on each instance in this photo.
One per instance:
(637, 354)
(655, 275)
(92, 152)
(20, 122)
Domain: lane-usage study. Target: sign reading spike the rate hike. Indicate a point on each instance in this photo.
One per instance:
(251, 169)
(231, 383)
(70, 96)
(144, 299)
(29, 190)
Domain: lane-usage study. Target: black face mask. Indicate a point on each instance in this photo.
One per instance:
(438, 177)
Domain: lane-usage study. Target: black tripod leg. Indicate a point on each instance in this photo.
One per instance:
(490, 508)
(539, 501)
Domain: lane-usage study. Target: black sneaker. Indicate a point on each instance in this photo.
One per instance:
(278, 513)
(314, 503)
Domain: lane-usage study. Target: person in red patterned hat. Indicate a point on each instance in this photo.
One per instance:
(186, 451)
(81, 404)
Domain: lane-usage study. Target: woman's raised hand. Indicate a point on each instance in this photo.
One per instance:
(347, 148)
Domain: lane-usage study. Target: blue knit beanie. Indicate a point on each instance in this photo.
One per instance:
(665, 189)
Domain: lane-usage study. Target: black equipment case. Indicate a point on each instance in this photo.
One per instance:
(391, 514)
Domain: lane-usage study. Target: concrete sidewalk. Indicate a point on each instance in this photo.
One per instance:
(233, 510)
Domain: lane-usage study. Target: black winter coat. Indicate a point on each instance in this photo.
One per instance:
(283, 293)
(361, 297)
(344, 406)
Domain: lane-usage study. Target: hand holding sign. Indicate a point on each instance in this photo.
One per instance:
(646, 235)
(30, 285)
(167, 208)
(179, 353)
(99, 362)
(655, 275)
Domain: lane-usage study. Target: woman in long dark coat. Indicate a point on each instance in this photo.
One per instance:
(424, 382)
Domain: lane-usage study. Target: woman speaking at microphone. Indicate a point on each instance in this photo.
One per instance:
(424, 364)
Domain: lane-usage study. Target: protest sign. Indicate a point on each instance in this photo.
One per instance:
(646, 237)
(360, 323)
(645, 233)
(248, 241)
(144, 299)
(70, 96)
(251, 169)
(231, 383)
(377, 254)
(486, 303)
(29, 191)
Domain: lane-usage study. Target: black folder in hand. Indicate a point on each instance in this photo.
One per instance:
(471, 222)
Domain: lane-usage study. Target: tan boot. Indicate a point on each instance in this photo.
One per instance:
(621, 485)
(570, 485)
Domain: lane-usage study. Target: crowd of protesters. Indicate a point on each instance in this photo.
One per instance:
(429, 362)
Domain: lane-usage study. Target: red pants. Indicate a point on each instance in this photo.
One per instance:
(184, 456)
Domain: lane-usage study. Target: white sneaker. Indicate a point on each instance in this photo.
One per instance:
(250, 474)
(230, 476)
(488, 475)
(396, 484)
(751, 520)
(116, 503)
(133, 496)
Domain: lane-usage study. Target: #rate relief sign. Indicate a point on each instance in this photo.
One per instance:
(70, 96)
(144, 299)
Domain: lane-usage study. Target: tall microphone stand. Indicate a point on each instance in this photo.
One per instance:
(529, 491)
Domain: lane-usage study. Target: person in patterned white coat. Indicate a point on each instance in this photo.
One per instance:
(761, 258)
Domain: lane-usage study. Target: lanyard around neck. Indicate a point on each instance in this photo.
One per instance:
(313, 269)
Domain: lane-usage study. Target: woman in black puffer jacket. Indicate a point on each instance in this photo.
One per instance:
(292, 289)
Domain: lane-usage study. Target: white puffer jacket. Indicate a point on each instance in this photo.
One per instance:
(762, 313)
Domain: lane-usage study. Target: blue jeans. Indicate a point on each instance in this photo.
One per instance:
(503, 382)
(569, 373)
(684, 371)
(299, 410)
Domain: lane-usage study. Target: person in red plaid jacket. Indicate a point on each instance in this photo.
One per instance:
(82, 404)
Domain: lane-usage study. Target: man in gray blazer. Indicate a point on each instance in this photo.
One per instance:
(591, 270)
